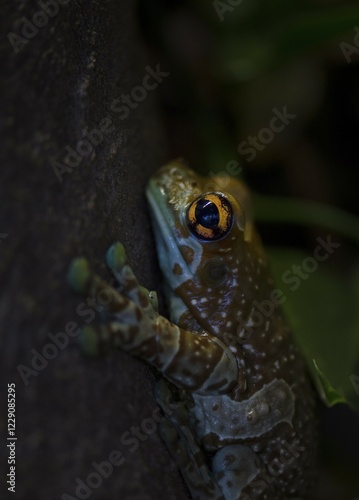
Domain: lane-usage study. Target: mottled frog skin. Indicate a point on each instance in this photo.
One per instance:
(244, 423)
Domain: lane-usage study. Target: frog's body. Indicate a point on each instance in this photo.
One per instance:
(244, 427)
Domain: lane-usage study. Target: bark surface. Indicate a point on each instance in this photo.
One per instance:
(58, 83)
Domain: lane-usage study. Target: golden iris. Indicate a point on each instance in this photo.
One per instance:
(210, 216)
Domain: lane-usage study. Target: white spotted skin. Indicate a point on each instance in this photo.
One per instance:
(250, 418)
(243, 432)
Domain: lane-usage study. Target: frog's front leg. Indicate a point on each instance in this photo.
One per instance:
(123, 307)
(195, 362)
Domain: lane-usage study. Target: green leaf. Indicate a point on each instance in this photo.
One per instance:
(308, 29)
(254, 47)
(290, 210)
(328, 394)
(324, 314)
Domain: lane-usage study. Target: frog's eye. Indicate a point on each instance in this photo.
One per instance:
(210, 217)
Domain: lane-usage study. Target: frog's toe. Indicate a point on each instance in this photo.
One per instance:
(129, 286)
(79, 274)
(153, 298)
(162, 392)
(110, 301)
(169, 435)
(88, 340)
(116, 257)
(101, 339)
(117, 261)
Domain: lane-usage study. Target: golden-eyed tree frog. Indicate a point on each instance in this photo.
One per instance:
(244, 425)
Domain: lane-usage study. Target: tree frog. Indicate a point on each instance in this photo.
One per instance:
(244, 424)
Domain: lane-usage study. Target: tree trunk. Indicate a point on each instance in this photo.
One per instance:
(74, 164)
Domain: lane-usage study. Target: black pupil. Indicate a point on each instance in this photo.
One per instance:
(207, 214)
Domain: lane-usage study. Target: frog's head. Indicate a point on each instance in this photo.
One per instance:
(203, 232)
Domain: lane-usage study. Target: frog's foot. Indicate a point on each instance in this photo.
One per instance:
(128, 323)
(191, 462)
(85, 282)
(102, 339)
(131, 323)
(128, 285)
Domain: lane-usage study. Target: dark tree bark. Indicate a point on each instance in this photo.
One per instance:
(58, 83)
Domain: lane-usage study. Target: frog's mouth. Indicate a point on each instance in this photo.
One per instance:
(164, 225)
